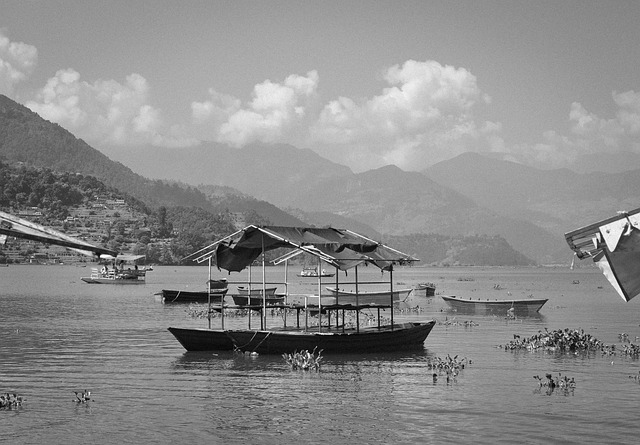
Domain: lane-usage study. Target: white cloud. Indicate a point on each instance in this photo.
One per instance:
(274, 114)
(17, 62)
(105, 112)
(424, 116)
(589, 134)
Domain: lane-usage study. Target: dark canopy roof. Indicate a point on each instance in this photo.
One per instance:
(341, 248)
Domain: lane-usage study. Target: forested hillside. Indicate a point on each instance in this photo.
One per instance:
(26, 137)
(83, 206)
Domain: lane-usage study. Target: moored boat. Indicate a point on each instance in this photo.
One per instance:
(115, 277)
(169, 296)
(342, 249)
(400, 336)
(312, 272)
(256, 291)
(215, 292)
(429, 289)
(367, 297)
(257, 299)
(519, 307)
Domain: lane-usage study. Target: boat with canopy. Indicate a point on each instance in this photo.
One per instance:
(126, 271)
(614, 245)
(339, 248)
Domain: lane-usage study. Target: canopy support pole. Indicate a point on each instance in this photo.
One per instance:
(357, 304)
(319, 296)
(391, 291)
(264, 289)
(209, 297)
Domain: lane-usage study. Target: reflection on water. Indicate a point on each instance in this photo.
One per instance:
(60, 335)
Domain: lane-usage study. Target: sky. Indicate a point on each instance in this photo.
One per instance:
(362, 83)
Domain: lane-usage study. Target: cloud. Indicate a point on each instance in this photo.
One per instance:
(424, 116)
(17, 62)
(105, 112)
(589, 134)
(275, 112)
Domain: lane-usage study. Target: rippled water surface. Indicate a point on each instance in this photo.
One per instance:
(59, 335)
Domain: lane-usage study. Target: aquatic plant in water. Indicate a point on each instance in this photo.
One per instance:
(450, 367)
(304, 360)
(570, 340)
(10, 401)
(83, 397)
(564, 384)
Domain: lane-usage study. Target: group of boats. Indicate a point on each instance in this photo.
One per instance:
(614, 244)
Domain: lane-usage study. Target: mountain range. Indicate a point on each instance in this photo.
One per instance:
(467, 195)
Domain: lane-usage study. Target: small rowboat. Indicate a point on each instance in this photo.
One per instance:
(367, 297)
(521, 307)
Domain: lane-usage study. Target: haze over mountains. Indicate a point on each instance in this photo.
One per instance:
(470, 194)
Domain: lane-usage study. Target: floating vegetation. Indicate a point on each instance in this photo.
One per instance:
(635, 377)
(448, 367)
(304, 360)
(565, 340)
(83, 397)
(10, 401)
(570, 340)
(562, 383)
(454, 322)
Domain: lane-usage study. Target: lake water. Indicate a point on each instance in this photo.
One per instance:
(59, 335)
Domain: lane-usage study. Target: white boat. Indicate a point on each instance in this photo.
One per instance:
(125, 272)
(312, 272)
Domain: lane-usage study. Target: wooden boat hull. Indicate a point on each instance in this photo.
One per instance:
(404, 336)
(203, 339)
(428, 289)
(169, 296)
(243, 300)
(256, 291)
(522, 307)
(369, 297)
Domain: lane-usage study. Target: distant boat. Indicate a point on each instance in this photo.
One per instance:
(244, 297)
(380, 297)
(118, 275)
(520, 307)
(218, 291)
(256, 291)
(115, 277)
(312, 272)
(428, 288)
(245, 300)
